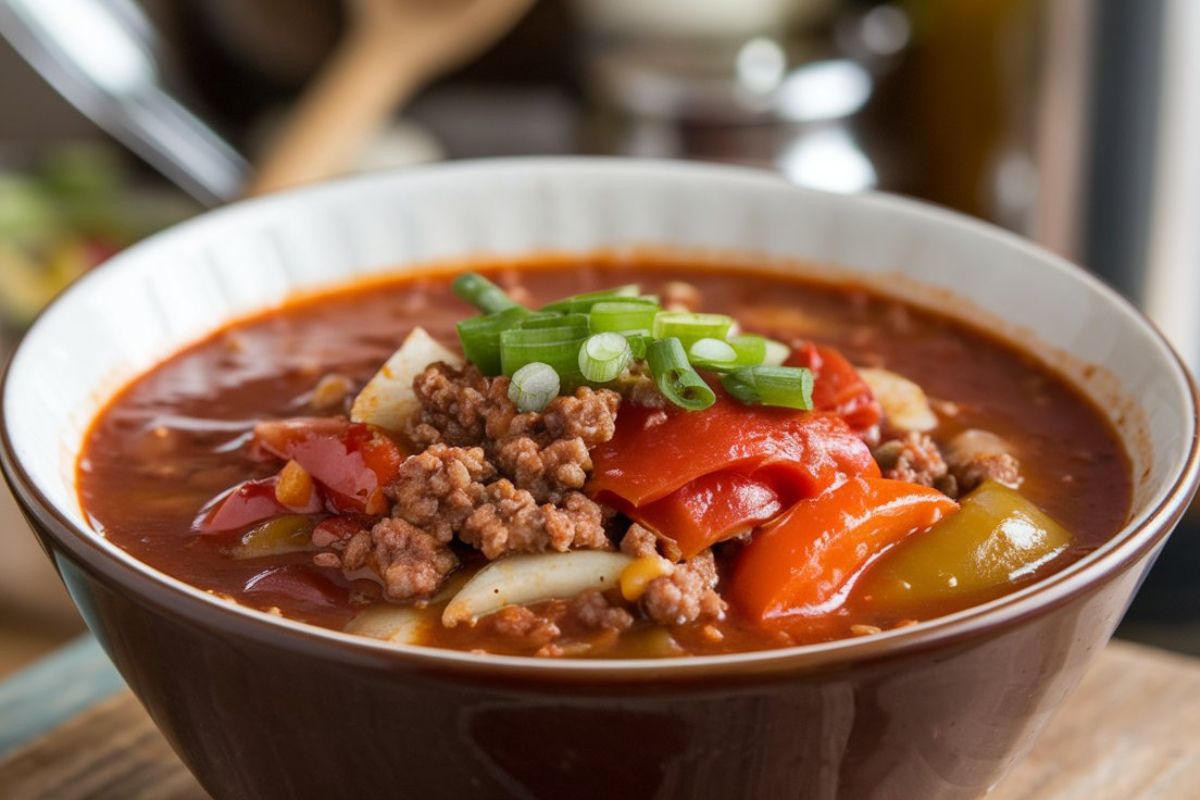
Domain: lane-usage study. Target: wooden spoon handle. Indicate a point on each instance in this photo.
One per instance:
(377, 67)
(351, 98)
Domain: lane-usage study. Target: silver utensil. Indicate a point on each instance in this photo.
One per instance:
(101, 56)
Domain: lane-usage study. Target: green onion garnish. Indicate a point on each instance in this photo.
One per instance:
(689, 327)
(638, 340)
(675, 377)
(593, 337)
(603, 357)
(558, 347)
(482, 293)
(582, 303)
(712, 354)
(617, 315)
(480, 337)
(751, 349)
(777, 353)
(542, 319)
(789, 387)
(533, 386)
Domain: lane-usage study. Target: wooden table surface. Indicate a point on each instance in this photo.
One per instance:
(1131, 732)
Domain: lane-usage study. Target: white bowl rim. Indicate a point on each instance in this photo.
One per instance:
(1124, 547)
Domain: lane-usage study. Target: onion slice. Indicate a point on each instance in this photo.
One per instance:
(391, 623)
(904, 403)
(525, 579)
(387, 400)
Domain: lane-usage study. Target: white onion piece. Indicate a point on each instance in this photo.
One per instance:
(904, 402)
(398, 624)
(387, 400)
(520, 580)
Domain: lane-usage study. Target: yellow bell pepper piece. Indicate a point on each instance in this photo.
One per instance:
(995, 538)
(287, 534)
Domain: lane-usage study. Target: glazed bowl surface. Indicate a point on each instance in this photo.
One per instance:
(258, 706)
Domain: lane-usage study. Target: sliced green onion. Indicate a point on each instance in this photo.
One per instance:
(777, 353)
(542, 319)
(533, 386)
(480, 337)
(713, 354)
(533, 336)
(558, 347)
(614, 315)
(482, 293)
(789, 387)
(688, 328)
(675, 377)
(577, 323)
(638, 340)
(604, 356)
(582, 303)
(751, 349)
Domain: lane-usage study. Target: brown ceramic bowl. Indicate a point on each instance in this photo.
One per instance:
(262, 707)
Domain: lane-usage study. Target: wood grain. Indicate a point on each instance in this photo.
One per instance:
(1132, 730)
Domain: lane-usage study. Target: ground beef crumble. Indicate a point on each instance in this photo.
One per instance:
(453, 403)
(686, 595)
(639, 541)
(512, 521)
(438, 489)
(587, 415)
(410, 562)
(546, 453)
(498, 480)
(522, 627)
(964, 462)
(592, 610)
(546, 472)
(914, 458)
(1001, 467)
(543, 629)
(974, 456)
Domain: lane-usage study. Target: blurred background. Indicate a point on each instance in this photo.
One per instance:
(1073, 122)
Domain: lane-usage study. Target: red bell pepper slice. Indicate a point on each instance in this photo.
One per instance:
(247, 503)
(655, 452)
(299, 584)
(805, 563)
(352, 460)
(709, 509)
(837, 386)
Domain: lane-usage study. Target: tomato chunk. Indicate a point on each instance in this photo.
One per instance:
(353, 461)
(654, 452)
(804, 563)
(709, 509)
(837, 386)
(247, 503)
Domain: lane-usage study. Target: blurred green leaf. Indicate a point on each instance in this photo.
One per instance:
(27, 213)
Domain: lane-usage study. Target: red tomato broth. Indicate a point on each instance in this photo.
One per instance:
(172, 440)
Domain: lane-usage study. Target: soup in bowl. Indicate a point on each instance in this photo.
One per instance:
(487, 478)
